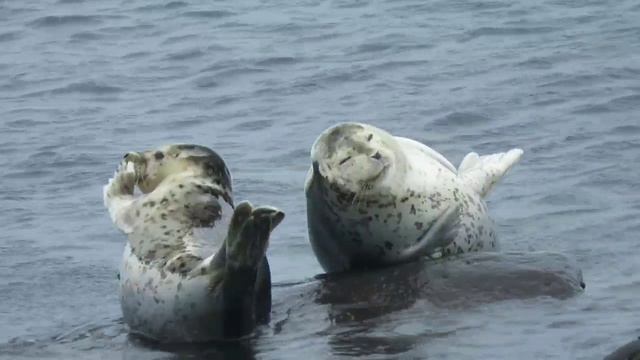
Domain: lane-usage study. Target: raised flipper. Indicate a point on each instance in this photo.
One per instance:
(249, 232)
(118, 196)
(238, 270)
(440, 234)
(247, 240)
(481, 173)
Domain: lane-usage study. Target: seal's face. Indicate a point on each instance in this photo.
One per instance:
(153, 166)
(354, 157)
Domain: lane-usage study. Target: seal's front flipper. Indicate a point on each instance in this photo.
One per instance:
(118, 196)
(440, 234)
(481, 173)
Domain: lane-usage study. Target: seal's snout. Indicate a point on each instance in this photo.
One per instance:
(134, 157)
(276, 218)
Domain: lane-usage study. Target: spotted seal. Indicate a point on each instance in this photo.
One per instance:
(375, 199)
(194, 268)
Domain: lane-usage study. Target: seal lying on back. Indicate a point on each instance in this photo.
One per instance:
(194, 268)
(375, 199)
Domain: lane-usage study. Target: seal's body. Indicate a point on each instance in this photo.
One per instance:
(375, 199)
(194, 268)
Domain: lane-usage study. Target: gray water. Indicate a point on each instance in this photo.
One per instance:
(82, 82)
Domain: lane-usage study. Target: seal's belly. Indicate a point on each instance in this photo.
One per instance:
(428, 190)
(385, 230)
(163, 305)
(378, 227)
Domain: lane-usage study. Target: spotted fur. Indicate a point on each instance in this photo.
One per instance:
(375, 199)
(194, 267)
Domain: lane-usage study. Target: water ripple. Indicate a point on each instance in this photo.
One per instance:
(84, 87)
(506, 31)
(66, 20)
(209, 14)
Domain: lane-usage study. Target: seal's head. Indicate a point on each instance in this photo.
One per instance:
(153, 166)
(356, 157)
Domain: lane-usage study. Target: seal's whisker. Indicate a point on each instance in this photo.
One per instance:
(360, 195)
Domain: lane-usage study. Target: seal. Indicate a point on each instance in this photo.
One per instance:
(194, 268)
(375, 199)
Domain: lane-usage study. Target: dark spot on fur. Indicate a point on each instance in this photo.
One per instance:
(413, 210)
(369, 137)
(388, 245)
(404, 199)
(377, 155)
(419, 225)
(344, 160)
(158, 155)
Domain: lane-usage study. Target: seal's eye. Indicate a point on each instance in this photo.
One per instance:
(158, 155)
(377, 155)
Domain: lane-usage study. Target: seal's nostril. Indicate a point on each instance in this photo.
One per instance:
(277, 218)
(345, 160)
(377, 155)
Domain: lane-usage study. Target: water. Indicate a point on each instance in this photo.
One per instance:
(83, 82)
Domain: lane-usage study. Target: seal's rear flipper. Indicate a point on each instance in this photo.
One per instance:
(248, 235)
(481, 173)
(245, 286)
